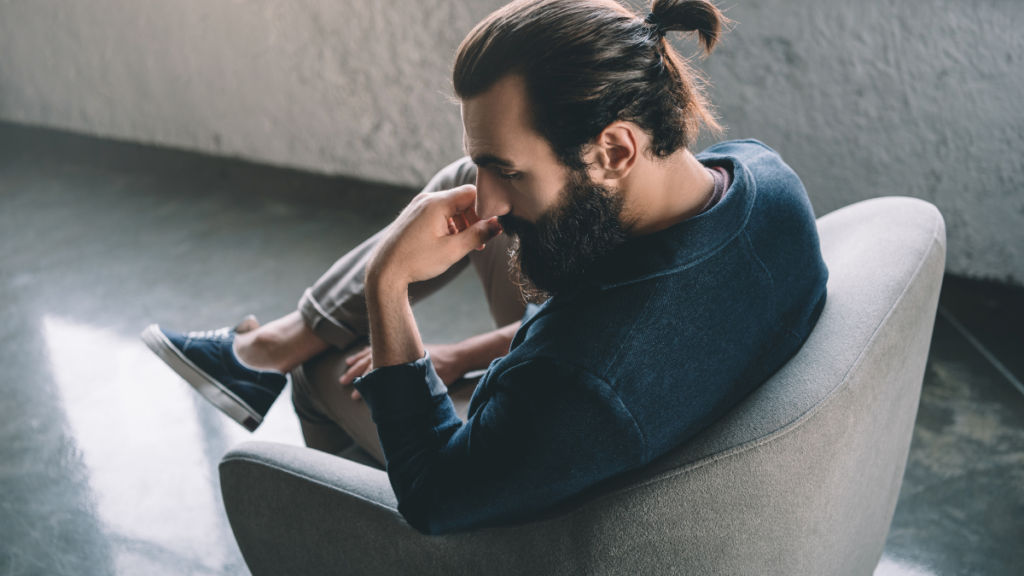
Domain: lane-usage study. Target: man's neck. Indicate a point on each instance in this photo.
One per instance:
(663, 192)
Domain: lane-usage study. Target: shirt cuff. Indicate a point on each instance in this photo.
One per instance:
(400, 391)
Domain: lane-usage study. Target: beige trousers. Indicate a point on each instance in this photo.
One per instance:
(335, 309)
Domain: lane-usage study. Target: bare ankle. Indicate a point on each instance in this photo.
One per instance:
(280, 345)
(258, 349)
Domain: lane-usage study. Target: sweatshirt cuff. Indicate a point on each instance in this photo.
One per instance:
(400, 391)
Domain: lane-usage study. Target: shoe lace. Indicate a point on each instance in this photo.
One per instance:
(218, 334)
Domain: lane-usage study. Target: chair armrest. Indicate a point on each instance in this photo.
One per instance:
(294, 510)
(315, 466)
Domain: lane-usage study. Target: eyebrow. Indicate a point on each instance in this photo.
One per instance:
(485, 160)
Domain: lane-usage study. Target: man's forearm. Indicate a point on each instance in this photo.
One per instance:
(394, 337)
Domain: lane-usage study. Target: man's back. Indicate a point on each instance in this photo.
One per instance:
(686, 322)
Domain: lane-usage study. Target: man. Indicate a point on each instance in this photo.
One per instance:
(674, 284)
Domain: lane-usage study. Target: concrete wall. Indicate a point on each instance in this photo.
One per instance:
(863, 99)
(870, 98)
(355, 87)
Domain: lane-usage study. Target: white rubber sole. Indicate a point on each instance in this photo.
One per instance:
(214, 391)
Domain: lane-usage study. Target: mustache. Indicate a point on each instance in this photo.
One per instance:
(515, 226)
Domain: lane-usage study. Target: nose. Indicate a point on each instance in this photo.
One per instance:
(491, 196)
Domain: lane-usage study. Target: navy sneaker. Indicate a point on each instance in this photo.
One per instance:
(207, 361)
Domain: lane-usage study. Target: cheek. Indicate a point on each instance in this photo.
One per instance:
(545, 195)
(530, 200)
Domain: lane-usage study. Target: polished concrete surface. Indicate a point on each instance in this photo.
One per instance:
(108, 460)
(961, 508)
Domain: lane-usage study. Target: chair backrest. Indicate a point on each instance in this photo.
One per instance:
(802, 477)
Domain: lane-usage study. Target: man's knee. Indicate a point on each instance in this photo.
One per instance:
(462, 171)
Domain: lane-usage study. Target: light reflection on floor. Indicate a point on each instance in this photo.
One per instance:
(890, 566)
(130, 413)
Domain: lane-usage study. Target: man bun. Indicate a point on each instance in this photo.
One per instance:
(700, 16)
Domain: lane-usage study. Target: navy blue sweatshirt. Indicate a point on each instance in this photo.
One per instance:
(675, 330)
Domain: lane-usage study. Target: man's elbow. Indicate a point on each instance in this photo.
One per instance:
(425, 520)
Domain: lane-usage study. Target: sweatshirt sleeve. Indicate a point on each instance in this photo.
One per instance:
(544, 430)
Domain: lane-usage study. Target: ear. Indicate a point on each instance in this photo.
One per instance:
(615, 151)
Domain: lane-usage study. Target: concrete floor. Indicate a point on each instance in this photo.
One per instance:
(108, 460)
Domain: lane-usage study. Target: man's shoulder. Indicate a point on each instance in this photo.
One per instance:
(757, 159)
(763, 173)
(745, 150)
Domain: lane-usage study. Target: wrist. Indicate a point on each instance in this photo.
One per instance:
(381, 281)
(394, 338)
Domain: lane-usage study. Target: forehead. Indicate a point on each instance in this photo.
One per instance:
(496, 125)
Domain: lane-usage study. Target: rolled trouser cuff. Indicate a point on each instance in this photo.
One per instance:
(329, 329)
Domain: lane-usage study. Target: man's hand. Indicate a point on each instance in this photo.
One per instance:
(435, 231)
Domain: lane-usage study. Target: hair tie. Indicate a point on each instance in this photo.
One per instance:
(654, 22)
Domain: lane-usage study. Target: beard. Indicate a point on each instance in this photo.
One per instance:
(560, 251)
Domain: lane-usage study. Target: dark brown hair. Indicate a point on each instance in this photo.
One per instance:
(588, 63)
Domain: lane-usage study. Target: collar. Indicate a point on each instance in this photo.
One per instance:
(688, 242)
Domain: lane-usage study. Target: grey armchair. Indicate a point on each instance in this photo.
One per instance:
(801, 478)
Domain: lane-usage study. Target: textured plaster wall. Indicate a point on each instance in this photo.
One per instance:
(863, 99)
(919, 98)
(355, 87)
